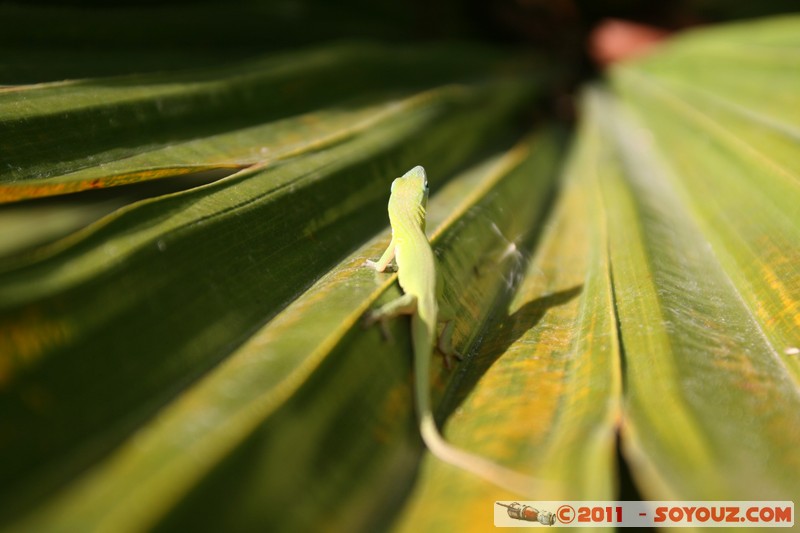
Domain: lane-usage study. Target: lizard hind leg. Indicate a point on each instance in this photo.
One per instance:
(445, 344)
(404, 305)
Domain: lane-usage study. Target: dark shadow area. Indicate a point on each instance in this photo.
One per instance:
(627, 490)
(511, 328)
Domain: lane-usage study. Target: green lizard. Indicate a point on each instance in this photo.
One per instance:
(416, 271)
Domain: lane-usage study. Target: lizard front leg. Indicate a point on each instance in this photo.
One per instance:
(383, 263)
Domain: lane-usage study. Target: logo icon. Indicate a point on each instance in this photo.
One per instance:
(527, 513)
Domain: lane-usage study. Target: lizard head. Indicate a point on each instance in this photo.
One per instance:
(412, 187)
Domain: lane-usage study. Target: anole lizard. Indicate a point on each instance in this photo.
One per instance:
(416, 271)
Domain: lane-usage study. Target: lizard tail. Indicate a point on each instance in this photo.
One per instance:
(490, 471)
(480, 466)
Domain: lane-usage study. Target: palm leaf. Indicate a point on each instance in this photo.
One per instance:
(183, 349)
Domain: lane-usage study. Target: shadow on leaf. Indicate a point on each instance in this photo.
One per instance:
(501, 336)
